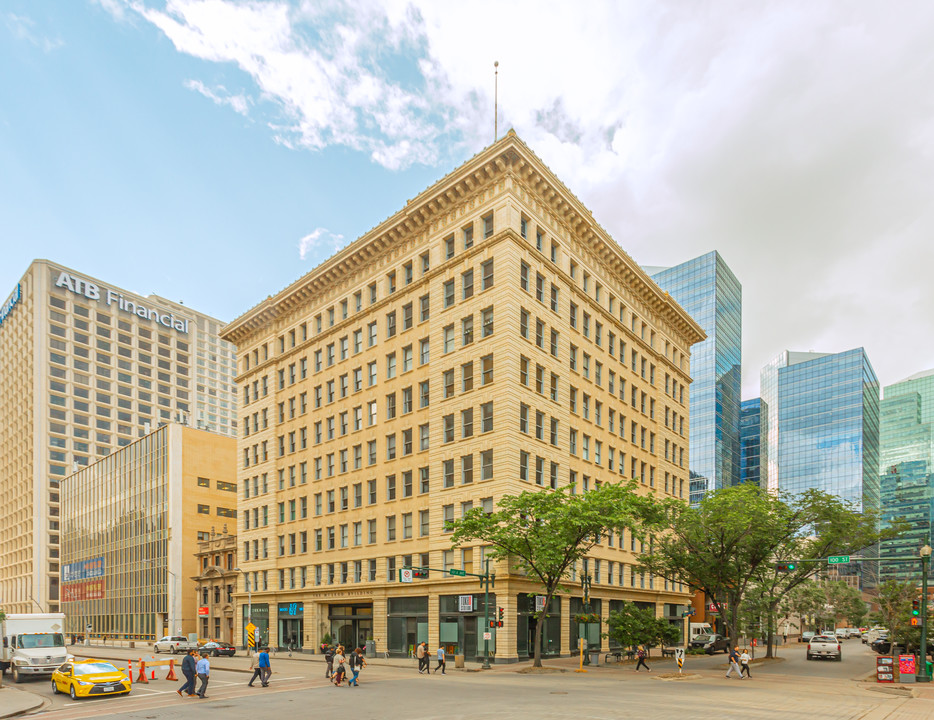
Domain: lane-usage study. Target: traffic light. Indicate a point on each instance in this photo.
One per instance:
(502, 612)
(790, 566)
(916, 607)
(419, 572)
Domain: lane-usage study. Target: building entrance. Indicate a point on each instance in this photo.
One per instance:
(351, 625)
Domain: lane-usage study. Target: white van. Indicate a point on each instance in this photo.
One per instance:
(33, 644)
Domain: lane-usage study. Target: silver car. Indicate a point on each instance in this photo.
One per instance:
(172, 644)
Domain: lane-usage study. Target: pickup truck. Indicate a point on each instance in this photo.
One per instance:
(174, 644)
(824, 646)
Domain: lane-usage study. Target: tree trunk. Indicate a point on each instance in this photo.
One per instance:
(773, 606)
(537, 662)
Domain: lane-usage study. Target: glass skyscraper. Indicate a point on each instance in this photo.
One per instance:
(906, 474)
(750, 441)
(822, 428)
(711, 294)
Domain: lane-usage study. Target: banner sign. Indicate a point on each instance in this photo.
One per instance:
(84, 590)
(83, 570)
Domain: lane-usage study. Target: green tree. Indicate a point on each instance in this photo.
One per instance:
(806, 600)
(736, 536)
(846, 602)
(632, 625)
(542, 533)
(895, 608)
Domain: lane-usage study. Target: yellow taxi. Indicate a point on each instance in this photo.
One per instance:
(86, 678)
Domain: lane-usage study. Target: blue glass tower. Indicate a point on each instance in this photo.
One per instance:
(750, 441)
(822, 428)
(906, 476)
(711, 294)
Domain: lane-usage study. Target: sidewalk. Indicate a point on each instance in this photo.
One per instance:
(14, 701)
(241, 661)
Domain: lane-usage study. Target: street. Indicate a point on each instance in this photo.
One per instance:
(789, 688)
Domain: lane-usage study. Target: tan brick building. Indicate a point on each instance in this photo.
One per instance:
(215, 584)
(133, 526)
(86, 368)
(487, 338)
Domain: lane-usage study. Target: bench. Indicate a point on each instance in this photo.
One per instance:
(617, 654)
(668, 652)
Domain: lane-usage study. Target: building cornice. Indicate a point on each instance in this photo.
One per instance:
(508, 157)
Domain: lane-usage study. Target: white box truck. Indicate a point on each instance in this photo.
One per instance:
(33, 645)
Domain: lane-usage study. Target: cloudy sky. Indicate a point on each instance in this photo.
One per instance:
(214, 150)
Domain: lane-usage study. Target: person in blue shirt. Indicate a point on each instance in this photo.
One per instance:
(203, 668)
(264, 667)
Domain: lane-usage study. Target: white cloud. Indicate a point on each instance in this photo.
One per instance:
(794, 137)
(24, 28)
(320, 244)
(239, 103)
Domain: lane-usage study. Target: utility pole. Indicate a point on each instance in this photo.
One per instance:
(921, 675)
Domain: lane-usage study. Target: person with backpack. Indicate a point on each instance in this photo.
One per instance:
(357, 663)
(642, 654)
(329, 659)
(734, 663)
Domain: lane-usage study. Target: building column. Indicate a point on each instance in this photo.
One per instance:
(568, 644)
(507, 637)
(380, 624)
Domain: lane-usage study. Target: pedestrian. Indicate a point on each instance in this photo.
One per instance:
(356, 663)
(440, 660)
(264, 667)
(734, 663)
(329, 659)
(339, 669)
(257, 670)
(188, 670)
(642, 654)
(420, 654)
(744, 663)
(203, 668)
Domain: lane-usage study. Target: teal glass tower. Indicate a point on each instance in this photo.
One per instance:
(711, 294)
(906, 475)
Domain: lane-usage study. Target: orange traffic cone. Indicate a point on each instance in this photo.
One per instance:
(153, 675)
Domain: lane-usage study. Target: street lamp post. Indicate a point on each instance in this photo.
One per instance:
(249, 598)
(922, 673)
(585, 586)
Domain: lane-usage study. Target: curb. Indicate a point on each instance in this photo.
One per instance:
(39, 702)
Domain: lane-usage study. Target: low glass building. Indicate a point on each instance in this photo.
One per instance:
(132, 522)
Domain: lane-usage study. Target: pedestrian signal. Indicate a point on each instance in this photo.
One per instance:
(915, 621)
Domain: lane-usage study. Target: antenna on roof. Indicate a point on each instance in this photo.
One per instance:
(496, 101)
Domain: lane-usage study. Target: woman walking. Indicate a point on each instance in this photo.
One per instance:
(642, 654)
(339, 669)
(744, 664)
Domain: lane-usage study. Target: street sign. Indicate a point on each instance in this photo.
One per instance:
(405, 575)
(203, 611)
(487, 635)
(838, 559)
(539, 603)
(679, 656)
(459, 573)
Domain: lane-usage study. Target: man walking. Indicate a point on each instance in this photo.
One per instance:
(420, 654)
(265, 670)
(734, 663)
(188, 670)
(440, 660)
(203, 668)
(254, 666)
(329, 659)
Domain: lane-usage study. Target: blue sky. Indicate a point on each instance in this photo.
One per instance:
(213, 151)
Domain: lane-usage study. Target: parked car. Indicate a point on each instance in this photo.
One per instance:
(711, 643)
(89, 677)
(219, 648)
(853, 632)
(841, 633)
(806, 636)
(825, 646)
(872, 634)
(174, 644)
(881, 644)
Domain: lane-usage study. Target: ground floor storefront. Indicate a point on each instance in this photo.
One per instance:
(456, 614)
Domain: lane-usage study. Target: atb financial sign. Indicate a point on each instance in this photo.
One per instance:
(98, 293)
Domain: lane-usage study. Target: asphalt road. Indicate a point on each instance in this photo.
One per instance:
(791, 688)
